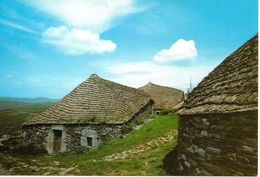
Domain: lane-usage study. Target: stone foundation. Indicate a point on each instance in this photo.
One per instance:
(218, 144)
(76, 137)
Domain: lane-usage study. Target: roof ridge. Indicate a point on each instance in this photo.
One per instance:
(233, 81)
(107, 101)
(163, 86)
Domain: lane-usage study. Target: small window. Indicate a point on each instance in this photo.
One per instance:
(89, 141)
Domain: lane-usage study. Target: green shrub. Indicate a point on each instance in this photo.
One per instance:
(139, 121)
(151, 116)
(92, 118)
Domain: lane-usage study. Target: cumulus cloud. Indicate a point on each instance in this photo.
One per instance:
(180, 50)
(95, 15)
(137, 74)
(77, 41)
(83, 22)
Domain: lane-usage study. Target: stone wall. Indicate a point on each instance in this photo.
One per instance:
(142, 114)
(218, 144)
(36, 136)
(41, 136)
(74, 136)
(104, 132)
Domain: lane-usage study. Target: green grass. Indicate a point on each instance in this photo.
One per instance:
(147, 163)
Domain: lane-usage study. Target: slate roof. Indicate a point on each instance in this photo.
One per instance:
(232, 86)
(164, 97)
(95, 101)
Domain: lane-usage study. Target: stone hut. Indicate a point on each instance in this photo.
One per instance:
(218, 122)
(165, 98)
(93, 112)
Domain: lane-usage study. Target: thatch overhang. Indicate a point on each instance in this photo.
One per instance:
(165, 98)
(95, 101)
(231, 87)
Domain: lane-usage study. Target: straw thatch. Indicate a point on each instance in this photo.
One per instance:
(95, 101)
(230, 87)
(164, 97)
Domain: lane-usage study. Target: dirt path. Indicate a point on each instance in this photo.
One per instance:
(160, 141)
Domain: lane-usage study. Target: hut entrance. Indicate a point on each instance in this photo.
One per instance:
(57, 140)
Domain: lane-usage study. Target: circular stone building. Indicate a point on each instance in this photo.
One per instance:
(218, 122)
(93, 112)
(165, 99)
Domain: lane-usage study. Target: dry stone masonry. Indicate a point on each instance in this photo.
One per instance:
(218, 122)
(95, 111)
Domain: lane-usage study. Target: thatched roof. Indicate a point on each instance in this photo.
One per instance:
(230, 87)
(95, 101)
(164, 97)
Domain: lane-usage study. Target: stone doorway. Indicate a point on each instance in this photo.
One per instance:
(57, 140)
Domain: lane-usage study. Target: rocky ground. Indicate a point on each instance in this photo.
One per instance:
(16, 165)
(139, 159)
(143, 147)
(13, 164)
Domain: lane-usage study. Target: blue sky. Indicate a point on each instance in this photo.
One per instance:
(48, 47)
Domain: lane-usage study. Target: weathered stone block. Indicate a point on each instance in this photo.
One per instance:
(238, 174)
(196, 119)
(250, 142)
(205, 173)
(190, 149)
(213, 150)
(204, 133)
(247, 148)
(183, 156)
(181, 168)
(201, 152)
(242, 159)
(193, 163)
(209, 157)
(197, 171)
(187, 164)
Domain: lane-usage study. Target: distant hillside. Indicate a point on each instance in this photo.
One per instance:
(29, 100)
(7, 103)
(12, 118)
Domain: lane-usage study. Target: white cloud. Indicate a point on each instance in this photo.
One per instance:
(180, 50)
(84, 21)
(17, 26)
(137, 74)
(77, 41)
(95, 15)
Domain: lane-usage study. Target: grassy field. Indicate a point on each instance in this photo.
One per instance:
(11, 119)
(140, 152)
(9, 103)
